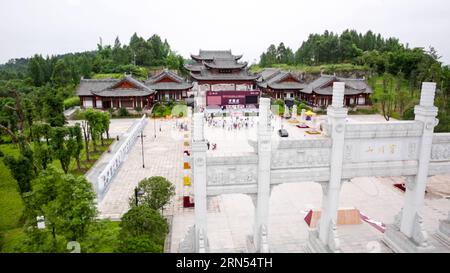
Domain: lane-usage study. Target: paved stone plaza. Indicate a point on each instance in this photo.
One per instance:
(163, 157)
(230, 217)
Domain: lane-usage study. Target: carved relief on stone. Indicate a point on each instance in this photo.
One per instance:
(440, 152)
(203, 245)
(348, 153)
(412, 150)
(419, 235)
(339, 128)
(187, 244)
(231, 175)
(300, 158)
(199, 162)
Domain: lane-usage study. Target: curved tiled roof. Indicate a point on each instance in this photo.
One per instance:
(87, 86)
(122, 92)
(193, 67)
(107, 87)
(207, 75)
(273, 78)
(225, 64)
(211, 54)
(352, 86)
(178, 84)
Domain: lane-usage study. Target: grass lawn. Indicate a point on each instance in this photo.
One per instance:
(10, 201)
(11, 205)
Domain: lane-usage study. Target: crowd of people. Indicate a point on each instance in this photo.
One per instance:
(231, 123)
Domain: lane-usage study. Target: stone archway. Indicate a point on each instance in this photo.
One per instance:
(347, 150)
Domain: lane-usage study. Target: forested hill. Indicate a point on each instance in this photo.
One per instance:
(133, 57)
(374, 52)
(394, 70)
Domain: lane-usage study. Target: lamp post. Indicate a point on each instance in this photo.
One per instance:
(142, 147)
(137, 194)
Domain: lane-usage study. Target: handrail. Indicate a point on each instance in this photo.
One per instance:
(106, 176)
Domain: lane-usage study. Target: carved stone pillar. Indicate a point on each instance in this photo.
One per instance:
(410, 235)
(286, 111)
(302, 114)
(199, 177)
(294, 111)
(263, 195)
(324, 238)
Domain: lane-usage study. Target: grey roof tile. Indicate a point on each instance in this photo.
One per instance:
(179, 84)
(106, 87)
(272, 77)
(352, 86)
(211, 54)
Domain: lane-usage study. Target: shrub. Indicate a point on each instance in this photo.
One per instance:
(409, 114)
(71, 102)
(368, 111)
(123, 112)
(395, 115)
(138, 109)
(157, 192)
(79, 114)
(142, 230)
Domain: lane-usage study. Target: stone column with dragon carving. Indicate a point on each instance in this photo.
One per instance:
(261, 223)
(324, 239)
(408, 235)
(199, 149)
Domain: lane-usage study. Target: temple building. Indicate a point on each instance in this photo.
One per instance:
(319, 92)
(168, 86)
(280, 84)
(127, 92)
(227, 82)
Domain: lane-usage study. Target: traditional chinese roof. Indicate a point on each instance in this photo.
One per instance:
(278, 79)
(212, 54)
(123, 92)
(206, 74)
(225, 64)
(167, 80)
(324, 86)
(195, 67)
(125, 87)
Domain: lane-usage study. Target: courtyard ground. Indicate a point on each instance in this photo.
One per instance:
(230, 217)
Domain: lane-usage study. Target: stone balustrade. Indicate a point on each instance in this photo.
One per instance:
(107, 175)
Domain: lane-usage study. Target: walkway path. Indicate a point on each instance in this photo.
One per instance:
(163, 157)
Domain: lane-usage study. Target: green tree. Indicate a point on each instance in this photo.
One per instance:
(22, 168)
(387, 96)
(65, 201)
(62, 74)
(94, 119)
(61, 147)
(35, 70)
(142, 230)
(75, 143)
(54, 109)
(157, 192)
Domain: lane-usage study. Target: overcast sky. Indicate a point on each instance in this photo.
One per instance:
(247, 27)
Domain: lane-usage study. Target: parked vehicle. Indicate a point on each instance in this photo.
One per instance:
(283, 133)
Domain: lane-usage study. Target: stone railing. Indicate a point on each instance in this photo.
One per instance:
(106, 176)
